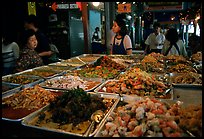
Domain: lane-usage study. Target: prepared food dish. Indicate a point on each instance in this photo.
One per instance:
(176, 59)
(196, 57)
(71, 111)
(137, 82)
(70, 82)
(67, 64)
(41, 73)
(124, 62)
(104, 67)
(153, 61)
(158, 56)
(89, 58)
(149, 67)
(181, 68)
(106, 61)
(56, 68)
(97, 72)
(20, 79)
(187, 78)
(25, 102)
(147, 117)
(189, 117)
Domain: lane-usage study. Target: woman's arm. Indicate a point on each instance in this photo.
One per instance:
(46, 53)
(15, 49)
(128, 45)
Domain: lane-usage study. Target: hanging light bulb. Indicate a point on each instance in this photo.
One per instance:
(96, 4)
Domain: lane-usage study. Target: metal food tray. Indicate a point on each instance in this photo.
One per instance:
(188, 95)
(39, 79)
(29, 118)
(129, 99)
(172, 75)
(19, 119)
(95, 55)
(43, 84)
(54, 68)
(56, 73)
(62, 63)
(91, 55)
(97, 90)
(12, 88)
(170, 91)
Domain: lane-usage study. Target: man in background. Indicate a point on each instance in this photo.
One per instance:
(155, 41)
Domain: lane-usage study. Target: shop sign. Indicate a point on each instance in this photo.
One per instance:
(31, 8)
(73, 6)
(158, 6)
(62, 6)
(124, 8)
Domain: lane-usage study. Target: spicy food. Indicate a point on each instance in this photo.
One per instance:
(137, 82)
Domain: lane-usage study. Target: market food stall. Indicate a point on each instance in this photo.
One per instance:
(139, 95)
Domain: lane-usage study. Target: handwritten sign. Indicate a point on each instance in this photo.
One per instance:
(124, 8)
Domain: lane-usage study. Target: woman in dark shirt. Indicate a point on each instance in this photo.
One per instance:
(29, 58)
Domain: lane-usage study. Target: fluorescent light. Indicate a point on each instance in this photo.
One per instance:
(96, 4)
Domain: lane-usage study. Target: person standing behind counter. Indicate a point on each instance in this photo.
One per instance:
(173, 45)
(155, 40)
(10, 53)
(29, 58)
(43, 48)
(121, 43)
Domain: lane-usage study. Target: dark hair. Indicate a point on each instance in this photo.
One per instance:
(31, 19)
(26, 35)
(8, 37)
(121, 21)
(172, 35)
(97, 29)
(156, 24)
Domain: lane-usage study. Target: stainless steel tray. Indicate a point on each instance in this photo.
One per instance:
(55, 73)
(60, 78)
(128, 100)
(26, 112)
(101, 87)
(66, 64)
(11, 88)
(38, 79)
(30, 117)
(85, 57)
(188, 95)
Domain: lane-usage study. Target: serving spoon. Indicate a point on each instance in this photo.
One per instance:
(95, 117)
